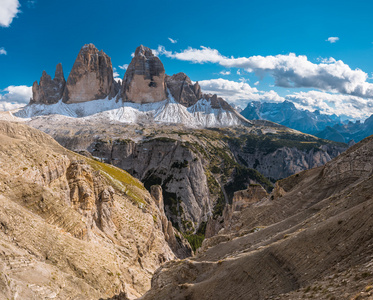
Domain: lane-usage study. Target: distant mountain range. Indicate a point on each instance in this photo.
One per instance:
(331, 127)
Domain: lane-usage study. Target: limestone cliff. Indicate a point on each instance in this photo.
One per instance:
(91, 77)
(144, 80)
(49, 91)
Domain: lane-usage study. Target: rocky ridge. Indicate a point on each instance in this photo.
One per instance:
(147, 94)
(72, 227)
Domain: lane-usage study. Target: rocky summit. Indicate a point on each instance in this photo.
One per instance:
(49, 91)
(183, 90)
(144, 80)
(91, 77)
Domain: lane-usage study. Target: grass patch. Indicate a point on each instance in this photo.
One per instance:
(120, 179)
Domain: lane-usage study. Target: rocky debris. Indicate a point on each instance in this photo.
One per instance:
(179, 245)
(91, 77)
(183, 90)
(70, 226)
(144, 80)
(49, 91)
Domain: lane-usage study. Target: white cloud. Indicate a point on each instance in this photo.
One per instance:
(238, 72)
(239, 93)
(8, 11)
(123, 67)
(353, 106)
(116, 75)
(172, 41)
(256, 83)
(288, 70)
(15, 96)
(155, 52)
(332, 39)
(3, 51)
(225, 72)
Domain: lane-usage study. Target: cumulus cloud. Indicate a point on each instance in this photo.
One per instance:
(14, 97)
(239, 93)
(288, 70)
(172, 41)
(332, 39)
(123, 67)
(3, 51)
(225, 72)
(256, 83)
(352, 106)
(8, 11)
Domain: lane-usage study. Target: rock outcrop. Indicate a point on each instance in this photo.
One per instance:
(49, 91)
(183, 90)
(144, 81)
(91, 77)
(170, 164)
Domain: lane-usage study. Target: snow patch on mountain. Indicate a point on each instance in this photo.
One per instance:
(201, 114)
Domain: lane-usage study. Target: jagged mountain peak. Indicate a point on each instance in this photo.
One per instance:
(144, 51)
(145, 82)
(49, 91)
(91, 77)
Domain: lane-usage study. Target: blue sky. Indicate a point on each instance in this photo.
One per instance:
(333, 75)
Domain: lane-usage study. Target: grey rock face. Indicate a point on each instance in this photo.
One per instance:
(183, 90)
(179, 245)
(49, 91)
(177, 169)
(91, 77)
(144, 81)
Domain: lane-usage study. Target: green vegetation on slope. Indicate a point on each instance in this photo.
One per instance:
(195, 240)
(241, 179)
(120, 179)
